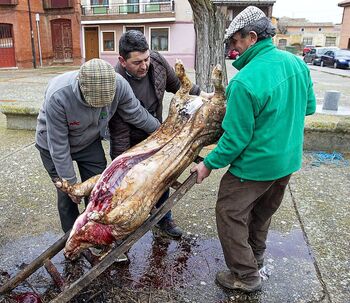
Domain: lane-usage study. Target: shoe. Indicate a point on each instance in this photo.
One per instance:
(170, 228)
(122, 258)
(226, 279)
(96, 251)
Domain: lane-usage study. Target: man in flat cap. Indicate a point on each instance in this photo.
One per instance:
(73, 119)
(262, 144)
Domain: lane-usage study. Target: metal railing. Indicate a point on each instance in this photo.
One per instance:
(8, 2)
(129, 8)
(57, 4)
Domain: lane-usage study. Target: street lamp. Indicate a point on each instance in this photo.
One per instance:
(37, 19)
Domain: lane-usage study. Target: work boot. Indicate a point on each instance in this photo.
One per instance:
(170, 228)
(122, 258)
(228, 280)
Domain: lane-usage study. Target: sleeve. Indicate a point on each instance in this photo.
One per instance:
(311, 99)
(238, 126)
(119, 136)
(130, 109)
(58, 142)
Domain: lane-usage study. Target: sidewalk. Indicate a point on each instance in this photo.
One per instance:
(329, 70)
(308, 246)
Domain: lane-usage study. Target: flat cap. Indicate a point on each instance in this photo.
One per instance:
(246, 17)
(97, 82)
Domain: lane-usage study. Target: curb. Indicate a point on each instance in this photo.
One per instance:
(331, 72)
(327, 133)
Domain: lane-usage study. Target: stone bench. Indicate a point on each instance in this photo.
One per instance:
(327, 133)
(20, 115)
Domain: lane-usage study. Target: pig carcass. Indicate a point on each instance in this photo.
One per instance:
(123, 195)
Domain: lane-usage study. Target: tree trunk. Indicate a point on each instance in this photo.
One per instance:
(209, 25)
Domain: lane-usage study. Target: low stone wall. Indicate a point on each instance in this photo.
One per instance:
(322, 132)
(327, 133)
(20, 115)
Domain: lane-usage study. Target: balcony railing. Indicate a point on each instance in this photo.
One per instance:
(129, 8)
(8, 2)
(57, 4)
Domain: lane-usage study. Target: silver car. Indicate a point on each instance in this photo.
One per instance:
(314, 56)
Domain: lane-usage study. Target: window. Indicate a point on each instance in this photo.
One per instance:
(99, 6)
(313, 51)
(108, 41)
(307, 41)
(282, 43)
(9, 2)
(160, 39)
(133, 8)
(6, 40)
(99, 2)
(136, 28)
(53, 4)
(330, 41)
(329, 53)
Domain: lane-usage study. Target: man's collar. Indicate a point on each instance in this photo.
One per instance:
(131, 76)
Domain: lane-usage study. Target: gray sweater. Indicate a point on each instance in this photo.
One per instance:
(67, 124)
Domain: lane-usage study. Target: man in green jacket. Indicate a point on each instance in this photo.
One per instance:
(262, 143)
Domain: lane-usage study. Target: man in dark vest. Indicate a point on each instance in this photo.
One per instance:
(149, 75)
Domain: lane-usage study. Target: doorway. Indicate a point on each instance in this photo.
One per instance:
(61, 31)
(7, 48)
(91, 43)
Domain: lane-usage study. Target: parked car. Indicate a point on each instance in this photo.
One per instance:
(314, 55)
(338, 59)
(307, 49)
(232, 54)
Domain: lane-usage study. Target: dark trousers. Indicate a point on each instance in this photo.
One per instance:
(163, 198)
(243, 215)
(91, 161)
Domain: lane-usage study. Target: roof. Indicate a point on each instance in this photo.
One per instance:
(344, 3)
(302, 22)
(243, 2)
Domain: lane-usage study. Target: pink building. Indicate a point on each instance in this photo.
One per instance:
(345, 27)
(167, 25)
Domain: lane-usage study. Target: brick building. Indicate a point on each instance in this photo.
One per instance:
(345, 27)
(31, 30)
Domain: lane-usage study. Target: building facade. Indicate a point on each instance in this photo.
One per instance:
(167, 25)
(298, 32)
(234, 7)
(35, 33)
(345, 27)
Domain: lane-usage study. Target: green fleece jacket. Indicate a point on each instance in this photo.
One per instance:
(267, 102)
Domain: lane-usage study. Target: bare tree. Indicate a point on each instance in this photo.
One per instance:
(209, 24)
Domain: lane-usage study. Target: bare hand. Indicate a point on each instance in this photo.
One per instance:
(67, 188)
(202, 172)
